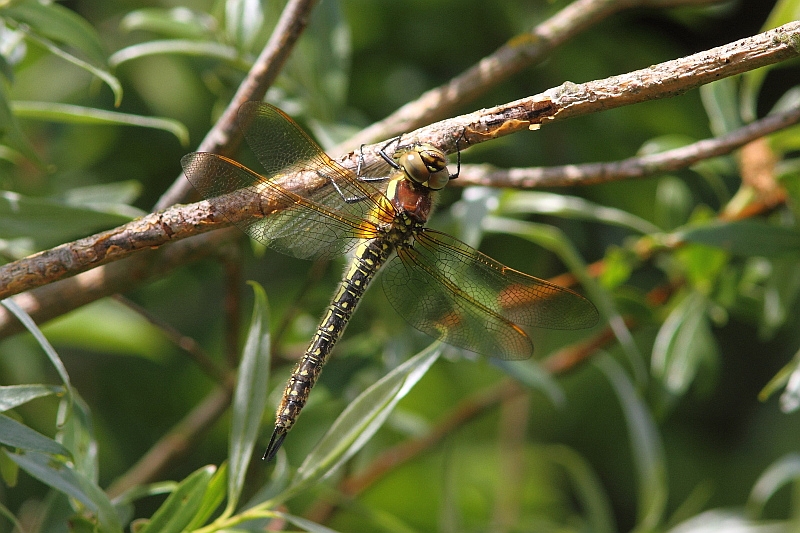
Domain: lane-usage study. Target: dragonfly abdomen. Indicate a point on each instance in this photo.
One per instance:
(367, 259)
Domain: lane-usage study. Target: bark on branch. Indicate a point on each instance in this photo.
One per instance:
(659, 81)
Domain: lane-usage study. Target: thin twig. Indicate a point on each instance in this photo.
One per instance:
(184, 342)
(634, 167)
(518, 53)
(225, 137)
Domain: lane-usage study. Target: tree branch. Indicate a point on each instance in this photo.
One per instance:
(634, 167)
(666, 79)
(518, 53)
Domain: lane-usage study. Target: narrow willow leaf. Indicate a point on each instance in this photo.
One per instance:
(31, 326)
(59, 476)
(67, 113)
(645, 443)
(176, 22)
(243, 22)
(12, 396)
(783, 471)
(60, 25)
(725, 521)
(209, 49)
(213, 497)
(306, 525)
(50, 222)
(361, 419)
(118, 192)
(101, 72)
(527, 202)
(77, 435)
(181, 506)
(744, 237)
(532, 375)
(18, 147)
(16, 435)
(720, 100)
(589, 490)
(250, 396)
(4, 511)
(683, 343)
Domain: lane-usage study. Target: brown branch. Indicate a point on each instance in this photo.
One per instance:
(518, 53)
(634, 167)
(176, 443)
(225, 137)
(54, 299)
(666, 79)
(184, 342)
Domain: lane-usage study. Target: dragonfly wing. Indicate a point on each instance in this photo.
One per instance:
(282, 147)
(451, 291)
(296, 225)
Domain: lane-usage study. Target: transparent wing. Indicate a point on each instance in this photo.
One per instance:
(319, 222)
(453, 292)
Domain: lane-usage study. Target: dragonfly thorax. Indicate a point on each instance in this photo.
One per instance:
(410, 198)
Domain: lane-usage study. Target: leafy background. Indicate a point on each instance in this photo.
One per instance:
(647, 434)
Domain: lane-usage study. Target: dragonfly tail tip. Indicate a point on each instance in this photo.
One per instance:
(274, 443)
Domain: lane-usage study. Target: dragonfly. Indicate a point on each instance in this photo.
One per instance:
(377, 215)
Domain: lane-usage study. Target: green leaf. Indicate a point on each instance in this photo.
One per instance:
(783, 471)
(16, 435)
(721, 104)
(212, 498)
(176, 22)
(77, 436)
(243, 22)
(645, 443)
(110, 327)
(250, 396)
(60, 25)
(107, 197)
(318, 71)
(528, 202)
(744, 237)
(306, 525)
(589, 490)
(209, 49)
(12, 396)
(673, 203)
(50, 222)
(100, 71)
(12, 135)
(31, 326)
(532, 375)
(4, 511)
(726, 521)
(683, 343)
(59, 476)
(181, 507)
(74, 114)
(361, 419)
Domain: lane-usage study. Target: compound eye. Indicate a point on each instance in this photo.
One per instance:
(414, 166)
(434, 159)
(439, 179)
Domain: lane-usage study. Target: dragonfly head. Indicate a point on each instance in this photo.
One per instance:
(426, 165)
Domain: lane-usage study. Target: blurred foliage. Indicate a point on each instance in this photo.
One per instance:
(684, 423)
